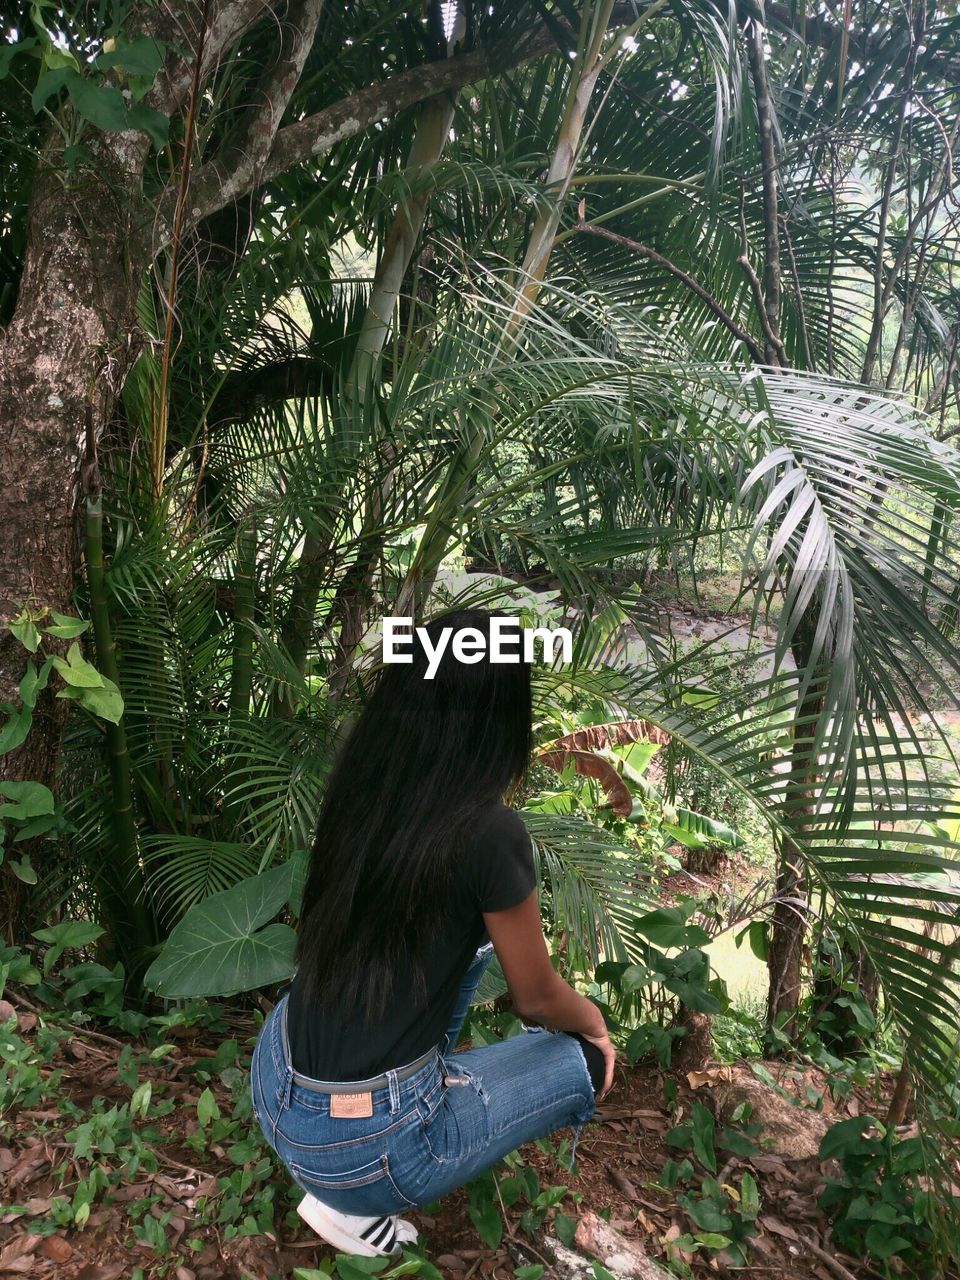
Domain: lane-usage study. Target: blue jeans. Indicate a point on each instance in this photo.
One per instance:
(426, 1136)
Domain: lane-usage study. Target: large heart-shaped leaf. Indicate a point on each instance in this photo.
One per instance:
(224, 945)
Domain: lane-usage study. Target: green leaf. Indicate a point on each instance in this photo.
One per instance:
(22, 868)
(757, 933)
(102, 105)
(69, 933)
(485, 1216)
(17, 725)
(15, 729)
(76, 671)
(749, 1196)
(151, 122)
(353, 1267)
(511, 1189)
(34, 681)
(566, 1228)
(634, 977)
(37, 827)
(140, 1102)
(532, 1272)
(28, 800)
(105, 702)
(207, 1108)
(712, 1240)
(140, 57)
(49, 83)
(66, 627)
(220, 946)
(55, 57)
(846, 1138)
(10, 51)
(703, 1124)
(552, 1196)
(424, 1268)
(667, 927)
(706, 1211)
(883, 1242)
(25, 630)
(697, 831)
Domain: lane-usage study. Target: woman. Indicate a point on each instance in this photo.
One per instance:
(420, 871)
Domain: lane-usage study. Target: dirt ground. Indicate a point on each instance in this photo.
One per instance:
(619, 1159)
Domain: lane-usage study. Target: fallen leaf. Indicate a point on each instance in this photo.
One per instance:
(17, 1256)
(102, 1271)
(56, 1248)
(770, 1223)
(622, 1183)
(697, 1079)
(29, 1166)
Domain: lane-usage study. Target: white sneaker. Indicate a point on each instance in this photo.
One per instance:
(350, 1233)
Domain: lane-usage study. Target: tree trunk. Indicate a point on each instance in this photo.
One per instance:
(63, 358)
(785, 957)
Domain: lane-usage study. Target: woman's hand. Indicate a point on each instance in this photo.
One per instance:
(538, 992)
(605, 1046)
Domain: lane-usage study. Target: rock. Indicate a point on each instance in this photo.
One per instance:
(795, 1132)
(623, 1258)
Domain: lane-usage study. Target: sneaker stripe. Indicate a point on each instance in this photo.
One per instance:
(378, 1233)
(372, 1227)
(386, 1240)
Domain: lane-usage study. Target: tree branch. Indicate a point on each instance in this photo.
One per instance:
(247, 155)
(644, 251)
(217, 184)
(178, 25)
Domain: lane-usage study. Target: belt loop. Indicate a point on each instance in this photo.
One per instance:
(394, 1085)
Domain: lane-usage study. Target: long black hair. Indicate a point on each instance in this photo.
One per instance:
(423, 761)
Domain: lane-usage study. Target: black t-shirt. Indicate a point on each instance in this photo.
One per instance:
(333, 1043)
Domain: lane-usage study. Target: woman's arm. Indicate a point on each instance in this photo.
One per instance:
(538, 992)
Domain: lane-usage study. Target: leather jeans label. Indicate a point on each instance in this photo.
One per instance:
(346, 1106)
